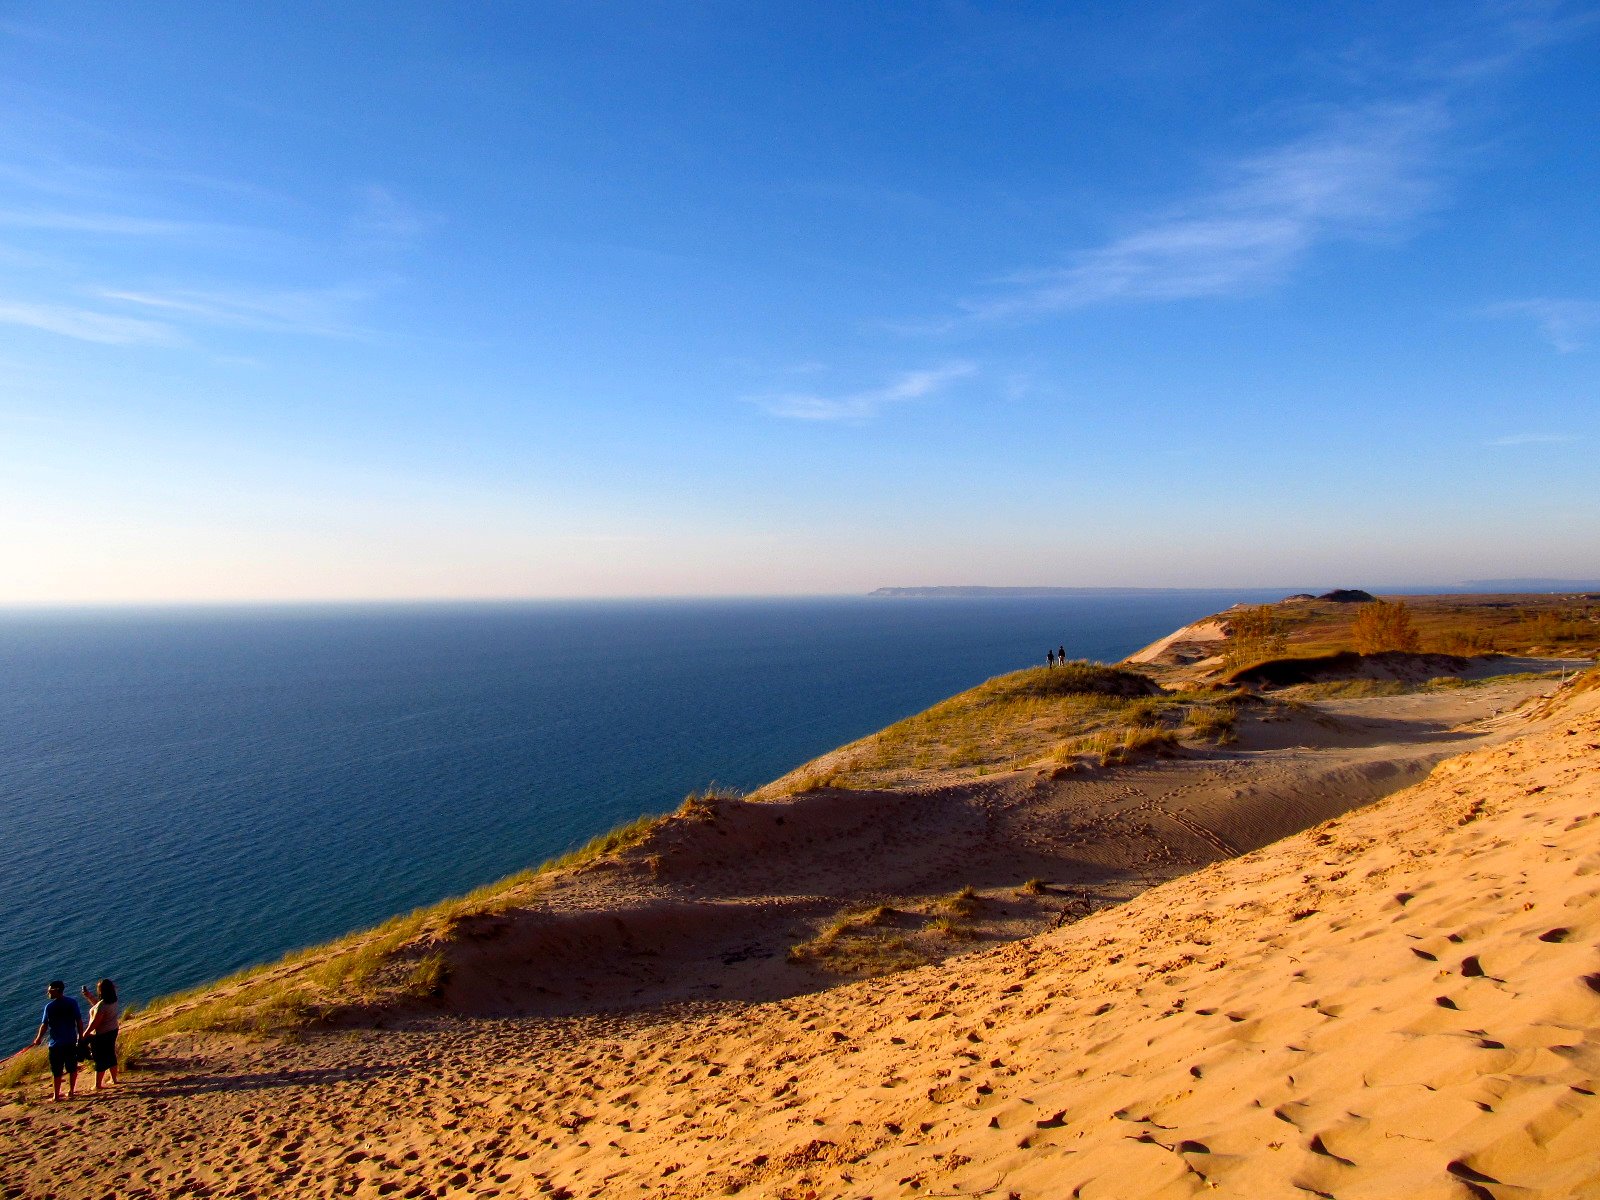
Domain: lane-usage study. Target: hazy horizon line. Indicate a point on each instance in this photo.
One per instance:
(1483, 586)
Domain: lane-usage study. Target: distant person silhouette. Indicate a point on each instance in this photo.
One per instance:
(1049, 658)
(62, 1023)
(1061, 655)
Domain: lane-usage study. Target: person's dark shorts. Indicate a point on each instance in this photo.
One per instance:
(64, 1060)
(103, 1049)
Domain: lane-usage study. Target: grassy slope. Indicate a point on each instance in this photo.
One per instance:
(1080, 712)
(1531, 625)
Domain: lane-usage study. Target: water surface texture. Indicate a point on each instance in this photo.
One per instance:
(186, 792)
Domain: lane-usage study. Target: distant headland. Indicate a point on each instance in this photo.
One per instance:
(1470, 586)
(974, 590)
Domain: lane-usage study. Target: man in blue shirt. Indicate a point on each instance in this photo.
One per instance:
(63, 1024)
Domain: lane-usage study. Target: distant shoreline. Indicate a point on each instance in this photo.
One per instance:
(1026, 592)
(1467, 588)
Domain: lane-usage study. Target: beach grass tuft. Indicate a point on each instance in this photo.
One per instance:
(1213, 722)
(878, 939)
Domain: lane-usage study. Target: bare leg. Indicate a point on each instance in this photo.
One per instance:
(72, 1084)
(99, 1079)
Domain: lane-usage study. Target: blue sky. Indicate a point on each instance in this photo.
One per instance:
(413, 300)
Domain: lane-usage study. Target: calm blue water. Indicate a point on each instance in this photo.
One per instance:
(183, 793)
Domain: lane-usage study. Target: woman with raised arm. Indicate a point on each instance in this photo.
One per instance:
(101, 1031)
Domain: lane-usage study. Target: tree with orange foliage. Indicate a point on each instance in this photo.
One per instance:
(1382, 625)
(1254, 634)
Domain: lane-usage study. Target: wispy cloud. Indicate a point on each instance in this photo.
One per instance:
(176, 254)
(87, 325)
(1366, 169)
(1362, 173)
(384, 220)
(1497, 36)
(1568, 325)
(103, 224)
(318, 311)
(863, 405)
(1533, 439)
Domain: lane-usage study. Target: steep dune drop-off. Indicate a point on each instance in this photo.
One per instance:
(1400, 1001)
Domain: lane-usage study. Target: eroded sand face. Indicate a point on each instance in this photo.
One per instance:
(1400, 1002)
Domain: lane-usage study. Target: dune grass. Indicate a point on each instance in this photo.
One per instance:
(23, 1066)
(1213, 723)
(1116, 746)
(859, 941)
(1347, 689)
(878, 939)
(963, 903)
(1092, 711)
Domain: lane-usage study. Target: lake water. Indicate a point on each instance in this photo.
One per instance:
(186, 792)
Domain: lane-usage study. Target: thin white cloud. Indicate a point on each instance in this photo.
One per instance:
(57, 220)
(384, 219)
(1568, 325)
(1363, 173)
(863, 405)
(1367, 170)
(1533, 439)
(319, 311)
(86, 325)
(1500, 35)
(101, 224)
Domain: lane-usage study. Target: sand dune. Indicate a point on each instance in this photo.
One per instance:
(1191, 644)
(1399, 1001)
(709, 904)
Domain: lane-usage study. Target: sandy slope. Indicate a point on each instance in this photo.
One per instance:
(709, 906)
(1190, 644)
(1399, 1002)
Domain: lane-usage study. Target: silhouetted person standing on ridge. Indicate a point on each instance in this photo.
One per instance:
(1049, 658)
(1061, 655)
